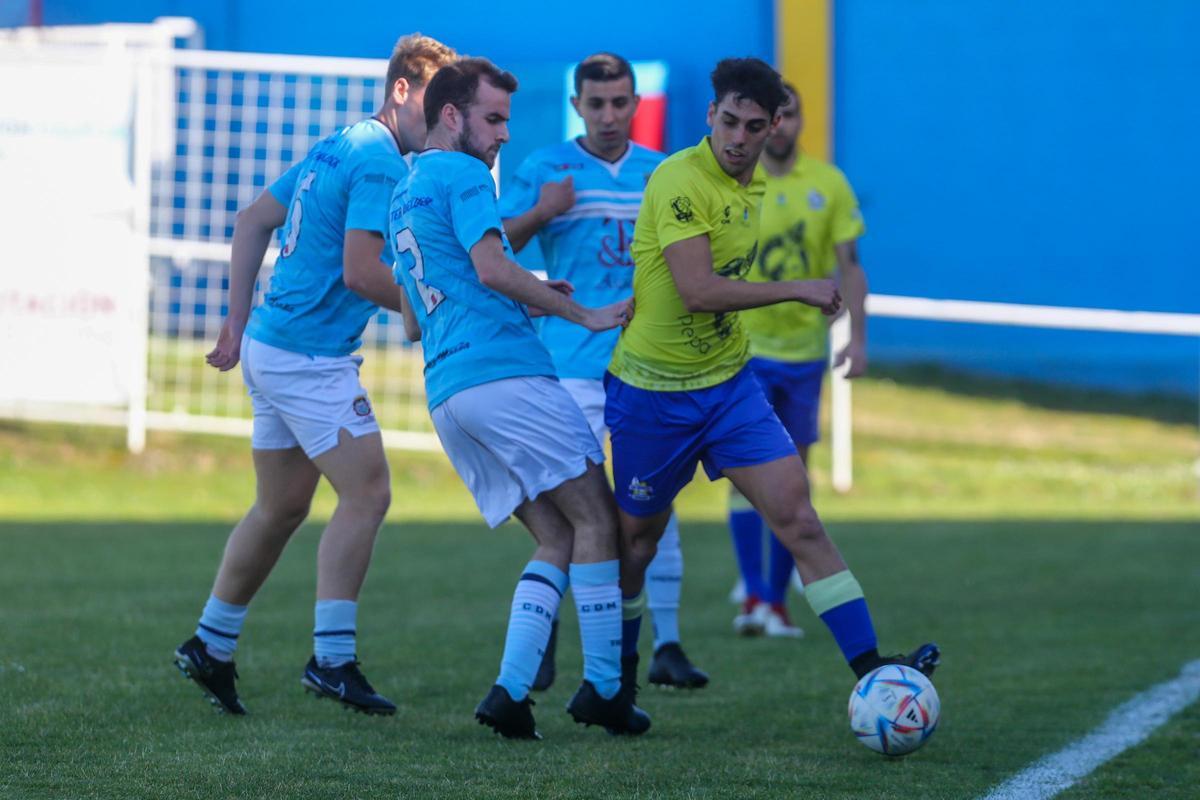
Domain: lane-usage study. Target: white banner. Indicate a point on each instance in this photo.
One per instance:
(69, 256)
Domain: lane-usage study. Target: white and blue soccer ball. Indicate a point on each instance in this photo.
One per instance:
(894, 709)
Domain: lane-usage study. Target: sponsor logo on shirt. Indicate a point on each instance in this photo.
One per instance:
(474, 190)
(326, 158)
(379, 177)
(567, 166)
(682, 207)
(415, 202)
(442, 356)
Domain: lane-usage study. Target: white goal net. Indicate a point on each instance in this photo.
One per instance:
(206, 132)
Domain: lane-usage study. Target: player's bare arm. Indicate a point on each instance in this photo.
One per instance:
(499, 273)
(554, 198)
(365, 274)
(252, 231)
(702, 290)
(412, 328)
(852, 281)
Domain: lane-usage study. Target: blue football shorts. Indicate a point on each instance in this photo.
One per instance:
(659, 437)
(794, 390)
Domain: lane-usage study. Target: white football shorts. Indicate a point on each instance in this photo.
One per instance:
(589, 396)
(303, 400)
(512, 439)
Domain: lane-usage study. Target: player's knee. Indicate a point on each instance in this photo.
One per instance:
(285, 514)
(377, 497)
(640, 547)
(798, 526)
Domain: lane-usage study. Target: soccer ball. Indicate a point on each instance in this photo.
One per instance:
(894, 709)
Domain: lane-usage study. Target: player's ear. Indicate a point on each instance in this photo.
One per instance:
(637, 99)
(400, 91)
(575, 104)
(712, 114)
(775, 122)
(450, 117)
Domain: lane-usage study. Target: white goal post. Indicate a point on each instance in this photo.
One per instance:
(1031, 316)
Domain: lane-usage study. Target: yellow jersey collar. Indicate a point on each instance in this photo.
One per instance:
(709, 160)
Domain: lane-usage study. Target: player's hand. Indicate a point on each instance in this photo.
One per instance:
(227, 353)
(608, 317)
(561, 286)
(556, 197)
(558, 285)
(821, 293)
(856, 354)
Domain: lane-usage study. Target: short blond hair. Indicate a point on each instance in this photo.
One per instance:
(416, 58)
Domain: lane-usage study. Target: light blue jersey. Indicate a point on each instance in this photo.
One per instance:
(589, 244)
(344, 182)
(470, 334)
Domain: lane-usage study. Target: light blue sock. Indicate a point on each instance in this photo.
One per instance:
(219, 628)
(534, 606)
(664, 582)
(334, 632)
(598, 601)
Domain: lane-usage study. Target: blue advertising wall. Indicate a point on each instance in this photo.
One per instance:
(520, 35)
(1007, 150)
(1030, 152)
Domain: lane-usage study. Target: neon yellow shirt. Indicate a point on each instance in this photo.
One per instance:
(805, 213)
(666, 347)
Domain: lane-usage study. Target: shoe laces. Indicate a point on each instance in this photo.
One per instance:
(354, 675)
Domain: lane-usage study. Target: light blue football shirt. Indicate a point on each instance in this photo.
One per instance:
(470, 334)
(344, 182)
(589, 244)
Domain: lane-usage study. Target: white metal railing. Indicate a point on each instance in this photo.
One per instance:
(1031, 316)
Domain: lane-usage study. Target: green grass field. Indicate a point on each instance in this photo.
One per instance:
(1049, 543)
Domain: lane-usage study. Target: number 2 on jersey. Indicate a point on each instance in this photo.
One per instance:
(407, 243)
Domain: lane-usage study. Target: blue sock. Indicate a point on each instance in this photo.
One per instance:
(838, 600)
(534, 605)
(598, 602)
(334, 631)
(746, 530)
(632, 609)
(779, 574)
(219, 628)
(664, 581)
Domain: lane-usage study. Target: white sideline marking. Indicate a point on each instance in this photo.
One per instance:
(1129, 724)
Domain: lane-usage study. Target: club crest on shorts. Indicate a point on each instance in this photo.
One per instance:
(362, 406)
(640, 490)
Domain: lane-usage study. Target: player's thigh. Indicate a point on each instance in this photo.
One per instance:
(586, 499)
(316, 397)
(777, 489)
(356, 466)
(286, 481)
(746, 439)
(656, 438)
(794, 392)
(547, 525)
(496, 491)
(514, 440)
(589, 396)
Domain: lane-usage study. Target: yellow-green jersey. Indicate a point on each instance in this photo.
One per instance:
(805, 214)
(666, 347)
